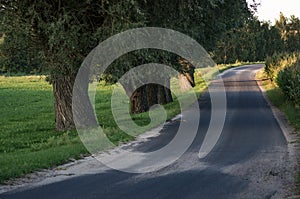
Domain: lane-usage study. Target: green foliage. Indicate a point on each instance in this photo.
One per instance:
(62, 33)
(256, 40)
(277, 62)
(289, 31)
(284, 69)
(251, 42)
(56, 36)
(279, 99)
(289, 82)
(16, 55)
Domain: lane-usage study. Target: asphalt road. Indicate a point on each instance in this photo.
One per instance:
(246, 162)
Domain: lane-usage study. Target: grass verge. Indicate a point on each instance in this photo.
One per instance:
(289, 109)
(278, 99)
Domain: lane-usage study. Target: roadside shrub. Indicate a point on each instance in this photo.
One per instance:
(288, 80)
(278, 62)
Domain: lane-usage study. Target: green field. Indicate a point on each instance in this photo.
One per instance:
(28, 141)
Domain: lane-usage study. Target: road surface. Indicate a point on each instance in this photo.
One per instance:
(248, 161)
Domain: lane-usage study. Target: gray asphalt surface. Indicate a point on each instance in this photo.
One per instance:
(250, 139)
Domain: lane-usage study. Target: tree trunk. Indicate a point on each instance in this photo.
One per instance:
(148, 95)
(62, 90)
(169, 97)
(186, 77)
(152, 95)
(82, 107)
(138, 100)
(161, 95)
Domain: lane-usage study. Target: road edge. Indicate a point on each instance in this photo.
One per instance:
(288, 131)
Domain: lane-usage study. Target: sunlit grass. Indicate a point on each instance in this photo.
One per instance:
(28, 141)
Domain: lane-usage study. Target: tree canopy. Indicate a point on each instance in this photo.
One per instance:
(54, 37)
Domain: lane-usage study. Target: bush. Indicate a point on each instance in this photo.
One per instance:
(284, 70)
(288, 80)
(278, 62)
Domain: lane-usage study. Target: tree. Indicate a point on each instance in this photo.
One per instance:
(142, 98)
(202, 20)
(17, 55)
(253, 41)
(60, 34)
(289, 29)
(63, 33)
(235, 38)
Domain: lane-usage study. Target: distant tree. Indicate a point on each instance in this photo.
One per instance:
(290, 32)
(253, 41)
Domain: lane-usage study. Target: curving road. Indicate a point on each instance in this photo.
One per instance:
(249, 160)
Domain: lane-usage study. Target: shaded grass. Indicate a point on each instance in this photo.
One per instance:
(107, 120)
(22, 162)
(28, 140)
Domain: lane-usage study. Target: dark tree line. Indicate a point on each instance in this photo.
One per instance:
(256, 40)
